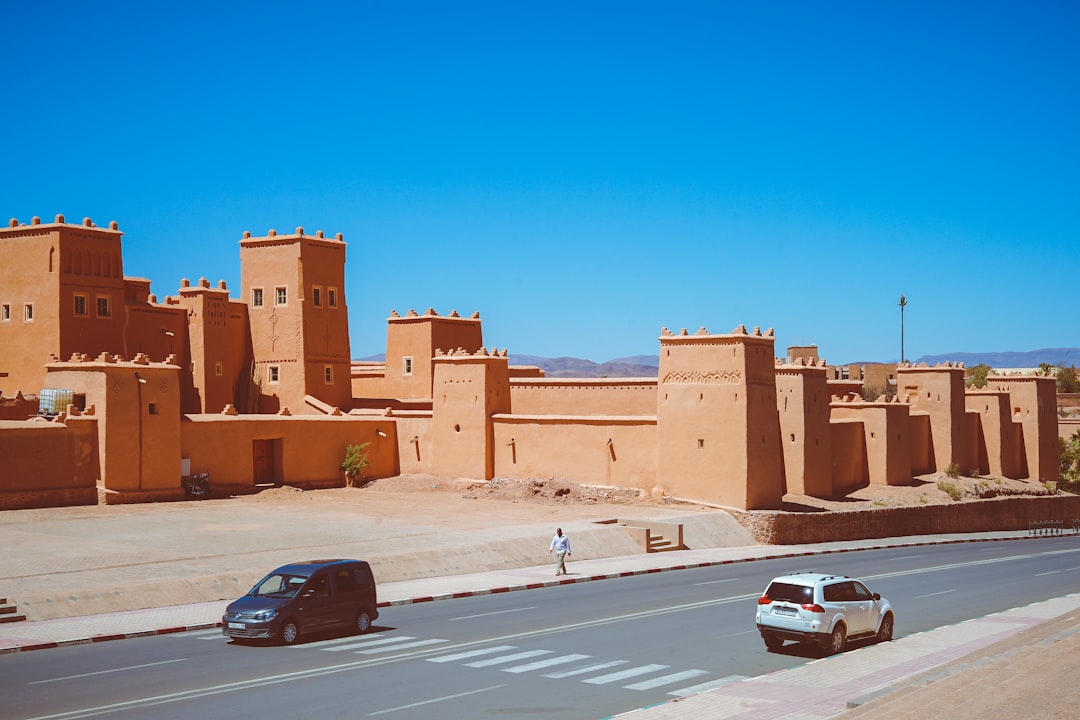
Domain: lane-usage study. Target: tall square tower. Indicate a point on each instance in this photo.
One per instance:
(294, 287)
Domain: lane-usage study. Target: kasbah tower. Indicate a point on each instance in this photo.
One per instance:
(262, 389)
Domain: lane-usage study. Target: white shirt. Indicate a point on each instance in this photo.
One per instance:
(560, 543)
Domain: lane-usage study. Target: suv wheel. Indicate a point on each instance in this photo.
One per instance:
(837, 640)
(884, 633)
(290, 631)
(772, 642)
(363, 622)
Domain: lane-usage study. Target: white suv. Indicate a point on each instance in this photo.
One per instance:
(823, 609)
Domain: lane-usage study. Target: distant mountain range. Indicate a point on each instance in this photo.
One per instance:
(649, 365)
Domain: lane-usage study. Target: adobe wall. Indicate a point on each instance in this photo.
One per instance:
(919, 433)
(939, 392)
(802, 397)
(468, 390)
(18, 407)
(1014, 513)
(602, 396)
(309, 448)
(1034, 405)
(1068, 428)
(48, 463)
(850, 467)
(414, 440)
(996, 438)
(618, 451)
(885, 438)
(412, 341)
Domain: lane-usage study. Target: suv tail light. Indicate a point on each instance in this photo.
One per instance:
(764, 600)
(813, 607)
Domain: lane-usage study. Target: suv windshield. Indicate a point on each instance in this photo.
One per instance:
(786, 592)
(280, 586)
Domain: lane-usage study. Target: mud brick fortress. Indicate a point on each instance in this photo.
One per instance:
(112, 395)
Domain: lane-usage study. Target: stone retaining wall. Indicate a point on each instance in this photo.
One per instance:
(1014, 513)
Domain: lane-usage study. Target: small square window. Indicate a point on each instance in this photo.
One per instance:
(152, 408)
(406, 366)
(28, 312)
(104, 306)
(273, 374)
(219, 369)
(316, 296)
(5, 313)
(701, 444)
(256, 297)
(328, 374)
(331, 297)
(81, 308)
(281, 296)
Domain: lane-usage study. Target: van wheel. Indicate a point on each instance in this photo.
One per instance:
(363, 622)
(290, 631)
(885, 632)
(838, 640)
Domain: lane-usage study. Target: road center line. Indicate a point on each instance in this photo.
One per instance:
(714, 582)
(435, 700)
(104, 672)
(497, 612)
(943, 592)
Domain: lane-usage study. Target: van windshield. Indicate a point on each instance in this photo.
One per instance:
(280, 586)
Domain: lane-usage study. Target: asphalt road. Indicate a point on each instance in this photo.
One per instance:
(588, 650)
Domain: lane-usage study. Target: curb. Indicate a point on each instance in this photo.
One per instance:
(516, 588)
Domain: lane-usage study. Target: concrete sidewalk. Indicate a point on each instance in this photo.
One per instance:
(814, 690)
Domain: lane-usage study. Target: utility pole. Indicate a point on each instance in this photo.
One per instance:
(902, 304)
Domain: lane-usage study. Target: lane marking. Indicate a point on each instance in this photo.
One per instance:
(744, 632)
(586, 669)
(471, 653)
(435, 700)
(550, 662)
(105, 672)
(623, 674)
(943, 592)
(508, 658)
(714, 582)
(906, 557)
(666, 679)
(497, 612)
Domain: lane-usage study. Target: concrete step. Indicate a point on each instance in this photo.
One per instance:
(9, 613)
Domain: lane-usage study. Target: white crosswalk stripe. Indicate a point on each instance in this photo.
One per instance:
(471, 653)
(375, 640)
(623, 674)
(401, 646)
(541, 664)
(342, 643)
(666, 680)
(211, 634)
(508, 658)
(586, 669)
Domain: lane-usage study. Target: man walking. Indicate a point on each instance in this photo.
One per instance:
(560, 545)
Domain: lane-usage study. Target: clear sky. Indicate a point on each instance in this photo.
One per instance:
(582, 173)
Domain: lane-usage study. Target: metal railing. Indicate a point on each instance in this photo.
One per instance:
(1054, 527)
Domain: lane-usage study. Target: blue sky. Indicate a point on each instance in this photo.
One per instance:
(581, 173)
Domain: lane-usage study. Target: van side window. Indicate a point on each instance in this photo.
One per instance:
(321, 586)
(345, 580)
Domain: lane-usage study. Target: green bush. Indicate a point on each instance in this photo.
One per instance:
(356, 459)
(951, 489)
(953, 471)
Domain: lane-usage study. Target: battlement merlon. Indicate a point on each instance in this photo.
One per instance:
(703, 336)
(188, 290)
(272, 238)
(15, 227)
(430, 315)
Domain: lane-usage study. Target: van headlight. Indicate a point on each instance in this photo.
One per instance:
(266, 615)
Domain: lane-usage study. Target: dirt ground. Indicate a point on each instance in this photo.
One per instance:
(570, 498)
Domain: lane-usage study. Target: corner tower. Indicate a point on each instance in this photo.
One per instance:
(294, 288)
(718, 431)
